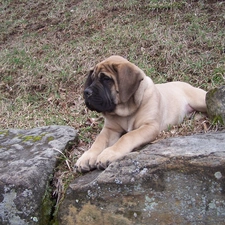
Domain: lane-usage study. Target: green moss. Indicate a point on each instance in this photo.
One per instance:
(212, 92)
(33, 138)
(4, 132)
(50, 138)
(47, 206)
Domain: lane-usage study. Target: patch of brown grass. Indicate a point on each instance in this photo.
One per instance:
(48, 46)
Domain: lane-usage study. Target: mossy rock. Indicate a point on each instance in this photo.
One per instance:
(215, 101)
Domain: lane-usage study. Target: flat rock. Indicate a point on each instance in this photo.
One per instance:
(176, 181)
(27, 162)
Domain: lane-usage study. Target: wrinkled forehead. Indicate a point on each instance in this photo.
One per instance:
(114, 59)
(103, 68)
(108, 66)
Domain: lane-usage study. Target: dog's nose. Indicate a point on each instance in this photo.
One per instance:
(87, 92)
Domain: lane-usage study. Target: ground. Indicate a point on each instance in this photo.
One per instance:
(47, 48)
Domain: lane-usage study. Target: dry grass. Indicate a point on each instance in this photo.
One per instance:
(48, 46)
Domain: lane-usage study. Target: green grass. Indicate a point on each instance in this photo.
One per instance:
(47, 48)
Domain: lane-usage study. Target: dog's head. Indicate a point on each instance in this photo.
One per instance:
(111, 82)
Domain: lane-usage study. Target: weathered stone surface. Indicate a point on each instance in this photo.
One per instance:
(27, 161)
(175, 181)
(215, 101)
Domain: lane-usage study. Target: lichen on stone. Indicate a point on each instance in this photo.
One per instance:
(33, 138)
(4, 132)
(215, 101)
(50, 138)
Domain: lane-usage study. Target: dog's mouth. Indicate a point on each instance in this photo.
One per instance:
(99, 100)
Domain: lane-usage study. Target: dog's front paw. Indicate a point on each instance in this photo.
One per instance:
(106, 157)
(86, 162)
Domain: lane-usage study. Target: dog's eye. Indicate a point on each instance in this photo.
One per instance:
(105, 78)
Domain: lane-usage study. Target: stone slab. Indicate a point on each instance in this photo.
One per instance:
(27, 162)
(176, 181)
(215, 101)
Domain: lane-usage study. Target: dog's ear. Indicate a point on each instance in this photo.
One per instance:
(128, 79)
(89, 79)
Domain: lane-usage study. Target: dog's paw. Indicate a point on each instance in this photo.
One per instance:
(106, 157)
(86, 162)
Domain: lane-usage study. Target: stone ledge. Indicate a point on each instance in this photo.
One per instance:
(175, 181)
(27, 162)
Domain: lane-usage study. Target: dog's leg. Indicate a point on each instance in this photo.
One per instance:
(87, 161)
(196, 99)
(127, 143)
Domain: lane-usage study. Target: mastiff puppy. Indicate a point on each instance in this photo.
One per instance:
(135, 109)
